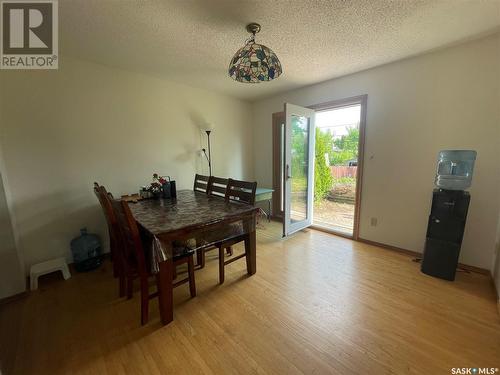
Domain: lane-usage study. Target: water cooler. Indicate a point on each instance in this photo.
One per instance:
(446, 223)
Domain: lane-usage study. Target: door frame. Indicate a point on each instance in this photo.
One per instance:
(279, 117)
(334, 104)
(278, 164)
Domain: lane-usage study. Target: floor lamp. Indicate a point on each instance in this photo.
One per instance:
(209, 156)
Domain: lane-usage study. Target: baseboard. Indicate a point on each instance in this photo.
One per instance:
(419, 255)
(475, 269)
(15, 297)
(72, 270)
(390, 247)
(497, 292)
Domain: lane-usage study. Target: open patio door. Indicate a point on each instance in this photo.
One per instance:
(299, 168)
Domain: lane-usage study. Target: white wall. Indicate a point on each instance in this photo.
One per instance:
(447, 99)
(62, 130)
(12, 278)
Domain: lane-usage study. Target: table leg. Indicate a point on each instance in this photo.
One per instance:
(199, 258)
(269, 211)
(164, 280)
(251, 253)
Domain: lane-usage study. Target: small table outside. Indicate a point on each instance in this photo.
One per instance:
(263, 194)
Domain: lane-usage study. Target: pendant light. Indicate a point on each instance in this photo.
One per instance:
(254, 63)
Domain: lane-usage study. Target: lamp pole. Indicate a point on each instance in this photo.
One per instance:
(209, 152)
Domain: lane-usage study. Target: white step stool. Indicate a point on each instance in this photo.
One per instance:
(53, 265)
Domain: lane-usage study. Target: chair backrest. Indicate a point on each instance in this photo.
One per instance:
(130, 238)
(102, 194)
(217, 186)
(97, 192)
(201, 183)
(242, 191)
(117, 249)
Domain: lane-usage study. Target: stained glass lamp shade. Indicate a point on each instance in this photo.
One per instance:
(254, 63)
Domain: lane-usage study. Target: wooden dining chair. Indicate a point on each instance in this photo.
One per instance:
(98, 194)
(217, 186)
(134, 255)
(201, 183)
(113, 232)
(244, 192)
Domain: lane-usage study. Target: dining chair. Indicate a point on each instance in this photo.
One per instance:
(113, 231)
(135, 258)
(243, 192)
(201, 183)
(217, 186)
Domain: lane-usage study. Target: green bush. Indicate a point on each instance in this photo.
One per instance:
(323, 179)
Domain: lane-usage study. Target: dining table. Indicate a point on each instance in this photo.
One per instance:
(189, 217)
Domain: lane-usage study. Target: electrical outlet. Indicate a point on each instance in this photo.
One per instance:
(373, 221)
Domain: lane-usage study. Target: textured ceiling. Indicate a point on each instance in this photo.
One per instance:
(192, 41)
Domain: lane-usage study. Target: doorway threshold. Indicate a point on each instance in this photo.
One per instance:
(337, 231)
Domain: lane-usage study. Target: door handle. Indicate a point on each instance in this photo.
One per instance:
(288, 175)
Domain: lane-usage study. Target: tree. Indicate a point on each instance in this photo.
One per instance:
(298, 149)
(347, 146)
(324, 146)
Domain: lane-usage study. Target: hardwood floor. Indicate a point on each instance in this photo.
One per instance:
(319, 304)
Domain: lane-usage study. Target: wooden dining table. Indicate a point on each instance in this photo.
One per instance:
(192, 215)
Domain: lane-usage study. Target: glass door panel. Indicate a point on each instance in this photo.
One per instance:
(299, 168)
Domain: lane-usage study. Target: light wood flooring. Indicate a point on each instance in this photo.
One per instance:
(319, 304)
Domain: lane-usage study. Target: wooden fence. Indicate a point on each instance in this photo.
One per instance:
(343, 171)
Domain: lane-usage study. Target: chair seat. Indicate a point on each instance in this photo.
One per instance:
(235, 190)
(182, 249)
(214, 238)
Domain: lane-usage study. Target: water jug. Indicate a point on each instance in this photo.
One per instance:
(86, 250)
(454, 170)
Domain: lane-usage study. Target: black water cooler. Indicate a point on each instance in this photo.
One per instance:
(445, 230)
(450, 202)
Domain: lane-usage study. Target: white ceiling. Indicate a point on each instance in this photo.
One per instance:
(192, 41)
